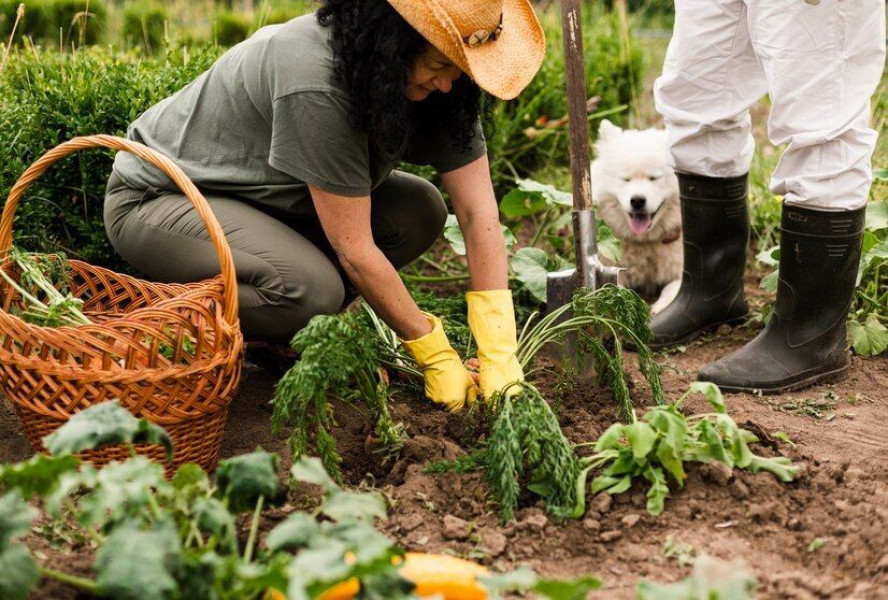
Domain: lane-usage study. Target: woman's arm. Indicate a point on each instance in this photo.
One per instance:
(346, 222)
(476, 209)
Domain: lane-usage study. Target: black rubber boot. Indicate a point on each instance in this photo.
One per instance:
(805, 342)
(715, 225)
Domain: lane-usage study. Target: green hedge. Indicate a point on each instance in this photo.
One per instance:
(230, 28)
(143, 26)
(45, 19)
(50, 98)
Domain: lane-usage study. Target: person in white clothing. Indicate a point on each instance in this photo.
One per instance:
(820, 61)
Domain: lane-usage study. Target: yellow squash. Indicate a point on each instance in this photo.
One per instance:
(439, 575)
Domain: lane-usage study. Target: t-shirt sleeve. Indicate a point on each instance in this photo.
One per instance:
(440, 149)
(313, 139)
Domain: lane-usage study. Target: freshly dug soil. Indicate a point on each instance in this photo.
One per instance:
(823, 536)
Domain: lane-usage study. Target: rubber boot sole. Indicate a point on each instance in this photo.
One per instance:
(832, 376)
(698, 333)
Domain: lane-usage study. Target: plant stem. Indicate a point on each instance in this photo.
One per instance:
(543, 225)
(82, 583)
(254, 530)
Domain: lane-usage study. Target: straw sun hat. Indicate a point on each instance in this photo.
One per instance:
(498, 43)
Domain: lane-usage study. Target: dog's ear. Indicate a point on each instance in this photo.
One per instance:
(607, 131)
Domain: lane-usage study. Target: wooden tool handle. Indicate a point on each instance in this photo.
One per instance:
(575, 81)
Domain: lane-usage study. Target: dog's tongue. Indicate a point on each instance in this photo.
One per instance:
(640, 222)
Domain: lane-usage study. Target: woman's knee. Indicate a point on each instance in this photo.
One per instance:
(408, 215)
(277, 311)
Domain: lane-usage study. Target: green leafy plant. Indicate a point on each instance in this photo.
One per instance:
(338, 360)
(157, 539)
(47, 98)
(526, 448)
(526, 445)
(658, 445)
(603, 320)
(44, 286)
(867, 329)
(711, 579)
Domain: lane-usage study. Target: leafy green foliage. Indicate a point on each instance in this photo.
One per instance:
(867, 329)
(602, 320)
(335, 352)
(158, 540)
(47, 98)
(51, 22)
(42, 283)
(530, 133)
(105, 424)
(137, 564)
(39, 475)
(711, 579)
(532, 267)
(243, 479)
(526, 444)
(525, 580)
(19, 569)
(657, 446)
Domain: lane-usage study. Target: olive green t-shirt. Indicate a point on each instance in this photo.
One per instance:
(268, 119)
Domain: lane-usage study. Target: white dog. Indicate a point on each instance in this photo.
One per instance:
(636, 194)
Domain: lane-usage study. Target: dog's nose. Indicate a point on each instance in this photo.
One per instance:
(638, 202)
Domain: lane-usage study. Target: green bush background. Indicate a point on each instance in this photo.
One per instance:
(48, 98)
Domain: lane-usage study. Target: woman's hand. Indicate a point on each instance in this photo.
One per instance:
(491, 314)
(447, 381)
(492, 321)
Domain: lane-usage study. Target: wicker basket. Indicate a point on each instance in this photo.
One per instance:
(52, 373)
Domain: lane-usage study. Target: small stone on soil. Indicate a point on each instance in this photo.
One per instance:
(717, 473)
(739, 490)
(411, 522)
(630, 520)
(494, 541)
(592, 524)
(610, 536)
(602, 503)
(455, 528)
(535, 522)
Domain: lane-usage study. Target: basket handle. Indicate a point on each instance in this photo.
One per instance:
(217, 236)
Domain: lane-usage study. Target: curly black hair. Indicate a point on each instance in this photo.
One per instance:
(375, 50)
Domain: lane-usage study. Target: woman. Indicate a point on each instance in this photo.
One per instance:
(292, 137)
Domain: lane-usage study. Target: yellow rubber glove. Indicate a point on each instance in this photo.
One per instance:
(492, 321)
(447, 381)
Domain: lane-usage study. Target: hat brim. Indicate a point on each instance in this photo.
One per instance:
(504, 66)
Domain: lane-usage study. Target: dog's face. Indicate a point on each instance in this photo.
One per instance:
(633, 186)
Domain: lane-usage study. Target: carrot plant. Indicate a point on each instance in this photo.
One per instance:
(43, 283)
(526, 445)
(339, 359)
(604, 321)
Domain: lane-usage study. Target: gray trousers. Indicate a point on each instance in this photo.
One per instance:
(287, 272)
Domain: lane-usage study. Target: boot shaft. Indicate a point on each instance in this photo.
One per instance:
(819, 258)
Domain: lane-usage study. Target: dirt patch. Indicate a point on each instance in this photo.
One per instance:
(824, 536)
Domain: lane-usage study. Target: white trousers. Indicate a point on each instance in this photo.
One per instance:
(819, 61)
